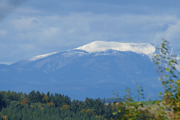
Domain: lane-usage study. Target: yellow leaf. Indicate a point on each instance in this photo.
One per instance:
(178, 104)
(4, 117)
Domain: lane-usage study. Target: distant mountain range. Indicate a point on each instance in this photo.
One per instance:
(92, 70)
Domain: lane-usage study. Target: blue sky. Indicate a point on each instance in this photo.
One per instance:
(33, 27)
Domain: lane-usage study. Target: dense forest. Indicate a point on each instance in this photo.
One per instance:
(40, 106)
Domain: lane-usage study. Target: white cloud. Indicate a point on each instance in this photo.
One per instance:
(25, 23)
(88, 27)
(171, 33)
(50, 32)
(36, 34)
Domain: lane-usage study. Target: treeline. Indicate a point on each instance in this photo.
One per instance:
(40, 106)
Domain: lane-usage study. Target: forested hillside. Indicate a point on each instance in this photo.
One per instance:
(40, 106)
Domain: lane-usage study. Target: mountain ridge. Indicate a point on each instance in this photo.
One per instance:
(80, 74)
(108, 46)
(98, 46)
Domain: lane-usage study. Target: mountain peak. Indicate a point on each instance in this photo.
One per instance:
(97, 46)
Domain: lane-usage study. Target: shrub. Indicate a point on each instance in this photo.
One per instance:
(169, 106)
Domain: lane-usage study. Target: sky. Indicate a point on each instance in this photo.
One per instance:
(34, 27)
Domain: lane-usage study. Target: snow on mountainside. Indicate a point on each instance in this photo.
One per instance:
(97, 46)
(41, 56)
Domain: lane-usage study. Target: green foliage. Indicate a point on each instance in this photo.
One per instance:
(34, 97)
(2, 102)
(169, 106)
(40, 106)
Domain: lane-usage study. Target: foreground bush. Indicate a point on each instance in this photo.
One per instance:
(169, 105)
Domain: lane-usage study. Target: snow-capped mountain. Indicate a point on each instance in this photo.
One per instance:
(92, 70)
(99, 46)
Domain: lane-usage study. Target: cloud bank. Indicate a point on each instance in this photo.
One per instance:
(33, 30)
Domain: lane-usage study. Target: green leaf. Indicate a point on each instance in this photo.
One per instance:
(139, 103)
(178, 81)
(174, 76)
(166, 76)
(119, 110)
(173, 61)
(170, 85)
(156, 56)
(163, 83)
(174, 68)
(168, 69)
(162, 45)
(114, 113)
